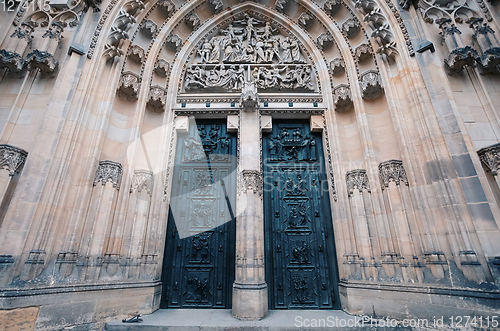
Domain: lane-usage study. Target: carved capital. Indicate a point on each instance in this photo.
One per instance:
(342, 97)
(12, 158)
(357, 179)
(12, 61)
(490, 157)
(129, 85)
(156, 98)
(142, 180)
(109, 171)
(252, 181)
(42, 60)
(392, 170)
(371, 85)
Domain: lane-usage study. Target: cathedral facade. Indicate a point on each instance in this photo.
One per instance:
(248, 155)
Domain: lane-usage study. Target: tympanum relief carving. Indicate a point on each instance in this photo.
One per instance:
(253, 50)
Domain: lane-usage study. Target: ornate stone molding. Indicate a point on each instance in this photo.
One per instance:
(371, 85)
(12, 158)
(109, 171)
(142, 180)
(193, 21)
(173, 42)
(324, 40)
(342, 97)
(161, 68)
(337, 66)
(357, 179)
(148, 28)
(363, 53)
(392, 170)
(351, 27)
(490, 157)
(129, 86)
(252, 181)
(156, 98)
(136, 54)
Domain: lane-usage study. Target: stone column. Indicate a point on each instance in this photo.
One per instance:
(249, 288)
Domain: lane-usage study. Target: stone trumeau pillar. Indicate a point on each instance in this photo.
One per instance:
(249, 288)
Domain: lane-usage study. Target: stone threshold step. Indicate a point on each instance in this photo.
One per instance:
(221, 319)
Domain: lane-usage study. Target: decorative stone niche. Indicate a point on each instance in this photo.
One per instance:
(337, 66)
(193, 21)
(136, 54)
(161, 68)
(332, 6)
(363, 53)
(173, 42)
(305, 20)
(342, 98)
(148, 28)
(129, 85)
(351, 27)
(156, 99)
(324, 40)
(371, 85)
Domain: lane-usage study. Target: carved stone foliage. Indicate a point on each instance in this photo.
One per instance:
(332, 6)
(136, 54)
(459, 55)
(371, 85)
(363, 53)
(11, 61)
(156, 98)
(12, 158)
(129, 85)
(490, 157)
(252, 181)
(394, 171)
(193, 20)
(305, 19)
(357, 179)
(173, 42)
(351, 27)
(324, 40)
(292, 144)
(342, 98)
(108, 171)
(148, 28)
(337, 66)
(250, 40)
(161, 67)
(142, 180)
(42, 60)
